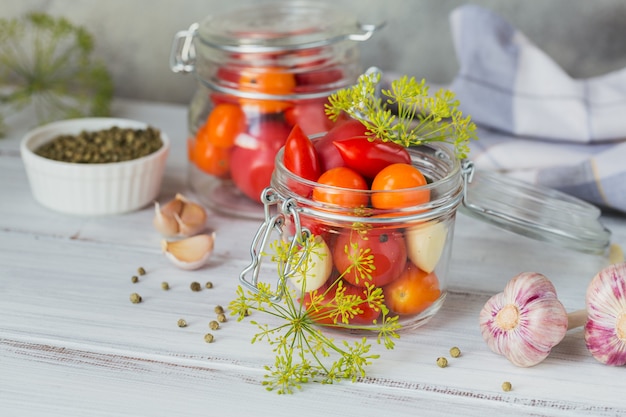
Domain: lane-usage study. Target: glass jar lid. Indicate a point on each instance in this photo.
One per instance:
(277, 26)
(537, 212)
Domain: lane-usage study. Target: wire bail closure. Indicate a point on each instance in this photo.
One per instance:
(274, 223)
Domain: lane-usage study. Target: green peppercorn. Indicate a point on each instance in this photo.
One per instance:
(219, 309)
(165, 285)
(442, 362)
(208, 338)
(208, 284)
(214, 325)
(135, 298)
(221, 317)
(455, 352)
(141, 271)
(182, 323)
(195, 286)
(134, 279)
(506, 386)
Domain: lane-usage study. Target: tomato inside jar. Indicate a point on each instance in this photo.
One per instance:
(379, 261)
(261, 70)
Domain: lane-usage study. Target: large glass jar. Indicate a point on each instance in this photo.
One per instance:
(401, 253)
(260, 70)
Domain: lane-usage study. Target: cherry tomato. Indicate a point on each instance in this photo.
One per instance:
(393, 179)
(310, 116)
(211, 159)
(223, 125)
(322, 304)
(369, 156)
(344, 178)
(252, 157)
(329, 155)
(413, 292)
(312, 80)
(273, 81)
(300, 156)
(375, 256)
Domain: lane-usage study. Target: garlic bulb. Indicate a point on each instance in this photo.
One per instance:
(189, 253)
(179, 217)
(524, 321)
(605, 331)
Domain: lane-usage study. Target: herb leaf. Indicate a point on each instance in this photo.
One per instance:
(419, 117)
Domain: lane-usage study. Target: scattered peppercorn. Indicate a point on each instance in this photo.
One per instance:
(455, 352)
(442, 362)
(208, 338)
(165, 285)
(141, 271)
(134, 279)
(221, 317)
(135, 298)
(208, 284)
(182, 323)
(219, 309)
(506, 386)
(214, 325)
(195, 286)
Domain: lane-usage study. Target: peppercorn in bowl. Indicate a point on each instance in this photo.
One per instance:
(95, 166)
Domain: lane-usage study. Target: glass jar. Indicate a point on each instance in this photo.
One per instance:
(397, 256)
(260, 71)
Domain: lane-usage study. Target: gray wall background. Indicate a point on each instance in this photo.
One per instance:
(134, 37)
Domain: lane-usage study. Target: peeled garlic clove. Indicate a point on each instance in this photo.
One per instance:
(315, 268)
(425, 244)
(192, 217)
(190, 253)
(164, 222)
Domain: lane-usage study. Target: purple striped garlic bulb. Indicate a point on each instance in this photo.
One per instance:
(605, 331)
(524, 321)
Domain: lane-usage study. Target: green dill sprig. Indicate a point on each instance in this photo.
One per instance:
(419, 117)
(303, 352)
(46, 63)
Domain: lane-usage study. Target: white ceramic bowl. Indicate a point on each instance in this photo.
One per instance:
(92, 189)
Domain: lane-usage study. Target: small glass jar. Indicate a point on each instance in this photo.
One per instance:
(260, 71)
(402, 253)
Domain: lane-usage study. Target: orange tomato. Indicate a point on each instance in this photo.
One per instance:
(211, 159)
(412, 292)
(223, 125)
(394, 178)
(344, 178)
(272, 81)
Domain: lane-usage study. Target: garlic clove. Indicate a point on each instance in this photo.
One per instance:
(425, 244)
(189, 253)
(164, 222)
(192, 218)
(313, 271)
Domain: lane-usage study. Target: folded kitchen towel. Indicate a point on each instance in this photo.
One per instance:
(535, 121)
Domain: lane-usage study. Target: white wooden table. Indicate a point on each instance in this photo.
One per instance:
(72, 344)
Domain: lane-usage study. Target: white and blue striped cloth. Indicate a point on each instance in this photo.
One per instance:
(536, 122)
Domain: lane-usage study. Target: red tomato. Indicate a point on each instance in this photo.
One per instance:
(310, 115)
(369, 157)
(395, 178)
(344, 178)
(300, 156)
(327, 152)
(325, 310)
(413, 292)
(209, 158)
(312, 80)
(252, 158)
(377, 253)
(267, 80)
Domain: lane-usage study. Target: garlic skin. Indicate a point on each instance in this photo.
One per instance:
(179, 217)
(605, 331)
(189, 253)
(524, 321)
